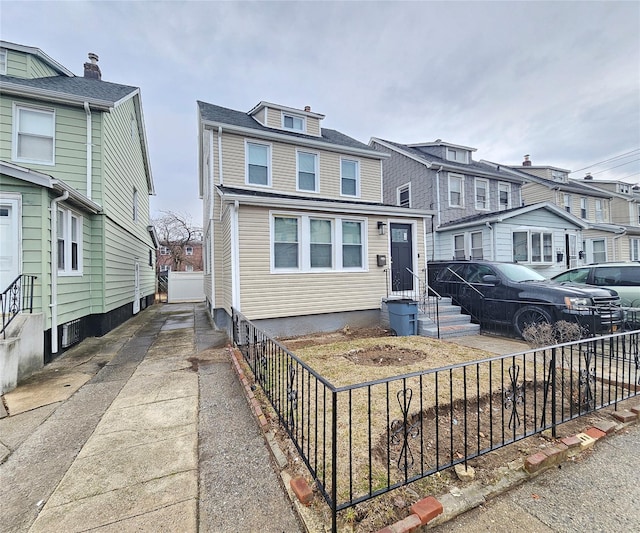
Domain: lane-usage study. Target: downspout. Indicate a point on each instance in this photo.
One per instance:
(211, 228)
(54, 270)
(437, 207)
(235, 257)
(616, 244)
(220, 155)
(87, 110)
(493, 240)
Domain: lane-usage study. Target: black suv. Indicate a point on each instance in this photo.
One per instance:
(513, 294)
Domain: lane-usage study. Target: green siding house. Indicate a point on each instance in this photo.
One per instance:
(75, 182)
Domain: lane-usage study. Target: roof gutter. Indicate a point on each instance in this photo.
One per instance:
(299, 141)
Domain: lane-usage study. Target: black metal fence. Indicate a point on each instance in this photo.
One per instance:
(365, 439)
(18, 297)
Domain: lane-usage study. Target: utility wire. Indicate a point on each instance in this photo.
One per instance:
(607, 160)
(620, 165)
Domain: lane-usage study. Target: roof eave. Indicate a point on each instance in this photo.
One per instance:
(283, 137)
(17, 89)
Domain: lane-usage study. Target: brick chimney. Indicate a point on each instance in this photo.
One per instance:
(526, 162)
(588, 176)
(307, 108)
(92, 70)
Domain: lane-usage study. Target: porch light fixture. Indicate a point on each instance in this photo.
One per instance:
(382, 228)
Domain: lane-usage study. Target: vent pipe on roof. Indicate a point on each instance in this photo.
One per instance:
(526, 162)
(307, 108)
(588, 176)
(92, 70)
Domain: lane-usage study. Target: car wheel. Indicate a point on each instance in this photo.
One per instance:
(530, 315)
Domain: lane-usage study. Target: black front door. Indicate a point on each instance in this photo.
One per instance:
(401, 257)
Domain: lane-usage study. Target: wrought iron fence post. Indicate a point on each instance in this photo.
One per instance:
(554, 415)
(334, 461)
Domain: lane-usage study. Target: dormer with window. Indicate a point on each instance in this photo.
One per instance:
(288, 119)
(454, 153)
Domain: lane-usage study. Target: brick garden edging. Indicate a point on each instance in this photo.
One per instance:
(431, 511)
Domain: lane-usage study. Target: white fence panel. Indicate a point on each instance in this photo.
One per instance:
(186, 287)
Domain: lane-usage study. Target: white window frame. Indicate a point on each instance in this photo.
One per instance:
(599, 210)
(459, 239)
(460, 178)
(529, 242)
(504, 186)
(399, 190)
(66, 217)
(16, 134)
(634, 249)
(476, 181)
(566, 198)
(188, 250)
(304, 243)
(247, 144)
(164, 250)
(316, 171)
(453, 153)
(584, 207)
(303, 122)
(357, 178)
(165, 268)
(471, 248)
(3, 60)
(188, 268)
(593, 252)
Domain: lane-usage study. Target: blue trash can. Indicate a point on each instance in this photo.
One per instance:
(403, 317)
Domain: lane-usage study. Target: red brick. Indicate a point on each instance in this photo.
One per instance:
(535, 462)
(411, 523)
(635, 409)
(556, 454)
(302, 490)
(624, 416)
(427, 509)
(595, 433)
(571, 442)
(608, 426)
(386, 530)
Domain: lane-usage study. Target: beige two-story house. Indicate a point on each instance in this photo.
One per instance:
(600, 239)
(296, 235)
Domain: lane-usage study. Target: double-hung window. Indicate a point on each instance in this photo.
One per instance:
(34, 135)
(583, 208)
(307, 172)
(69, 237)
(482, 196)
(532, 247)
(635, 249)
(476, 245)
(599, 248)
(189, 250)
(351, 244)
(567, 203)
(456, 190)
(285, 243)
(320, 246)
(292, 122)
(164, 250)
(504, 196)
(258, 158)
(349, 177)
(599, 210)
(458, 246)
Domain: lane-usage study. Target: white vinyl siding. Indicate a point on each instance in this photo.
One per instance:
(258, 164)
(34, 135)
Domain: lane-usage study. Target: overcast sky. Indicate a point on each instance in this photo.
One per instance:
(557, 80)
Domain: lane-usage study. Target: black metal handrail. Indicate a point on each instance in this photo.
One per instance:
(17, 298)
(365, 439)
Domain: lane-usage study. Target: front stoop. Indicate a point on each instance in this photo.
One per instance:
(452, 323)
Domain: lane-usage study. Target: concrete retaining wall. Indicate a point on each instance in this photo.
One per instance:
(22, 352)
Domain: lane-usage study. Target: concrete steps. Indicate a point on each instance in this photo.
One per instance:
(452, 322)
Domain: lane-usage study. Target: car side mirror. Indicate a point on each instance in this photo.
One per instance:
(490, 279)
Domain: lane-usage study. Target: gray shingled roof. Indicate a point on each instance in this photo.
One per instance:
(76, 86)
(479, 217)
(223, 115)
(471, 168)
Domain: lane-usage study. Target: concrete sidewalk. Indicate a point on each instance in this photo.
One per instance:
(106, 437)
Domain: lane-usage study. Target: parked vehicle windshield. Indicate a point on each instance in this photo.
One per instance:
(517, 273)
